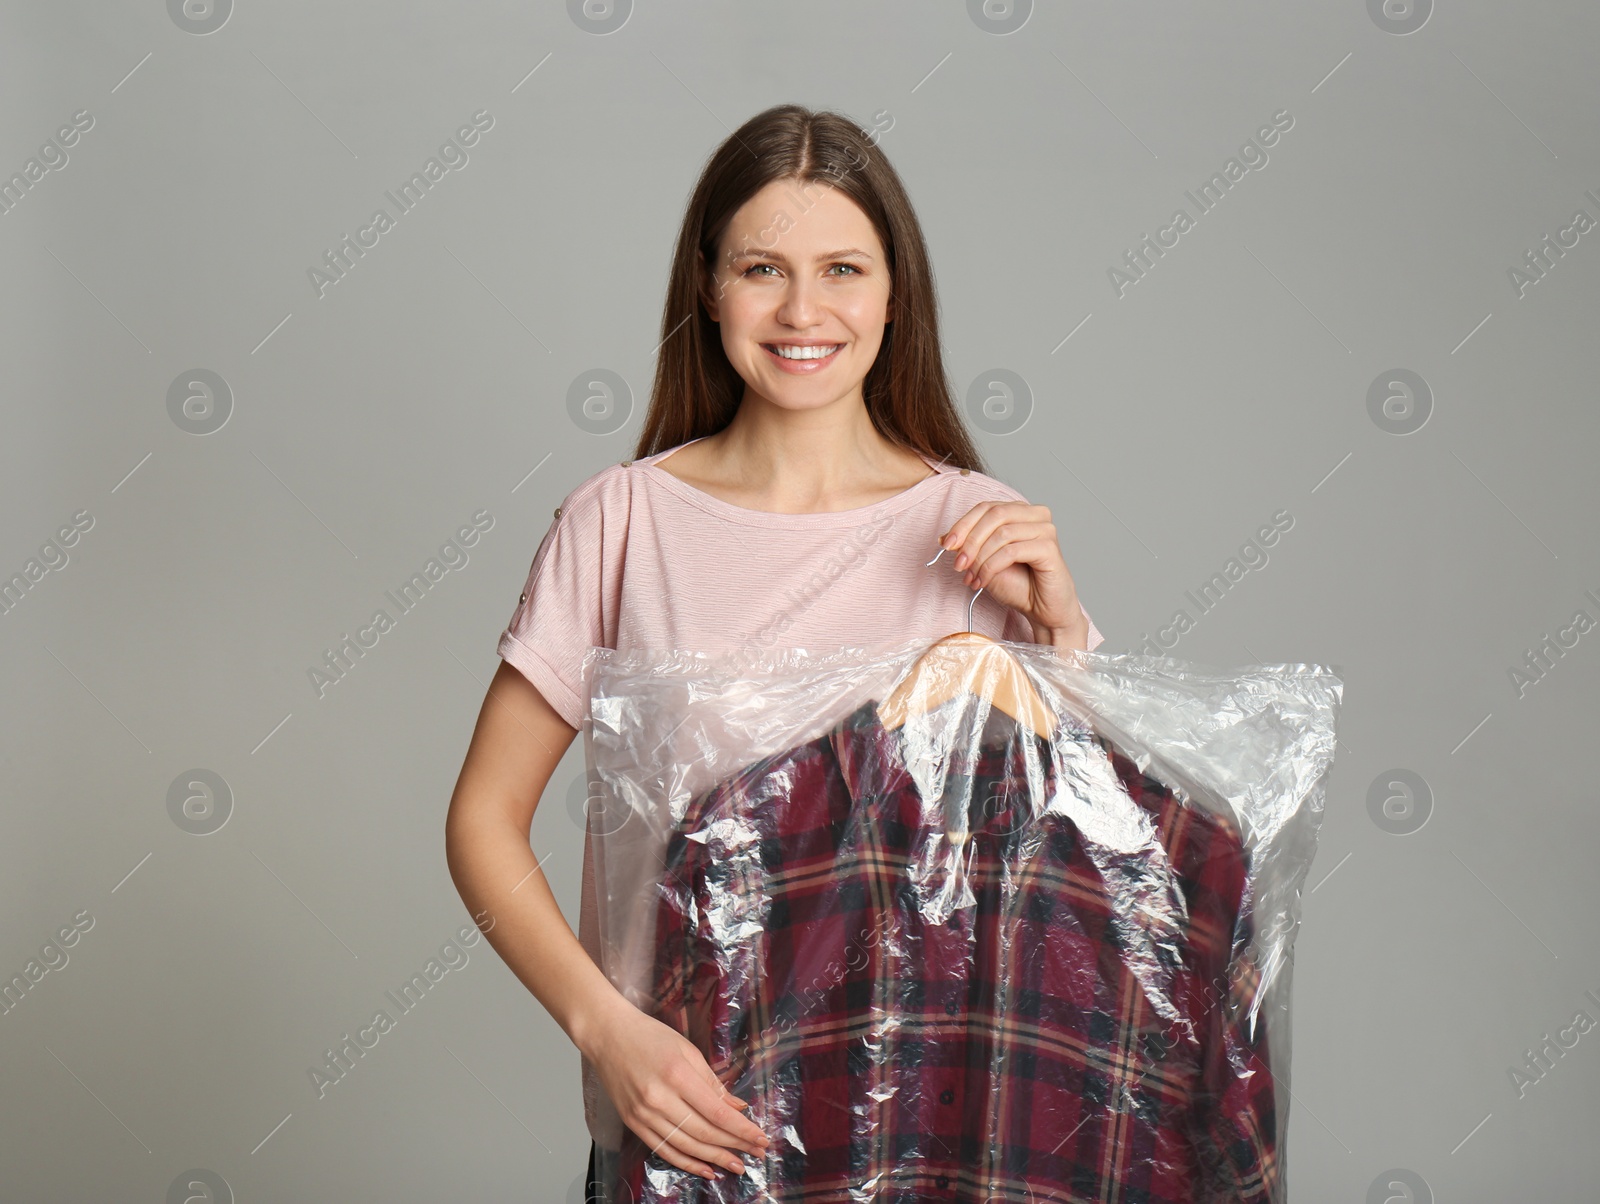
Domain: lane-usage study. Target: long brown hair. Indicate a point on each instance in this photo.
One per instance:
(697, 390)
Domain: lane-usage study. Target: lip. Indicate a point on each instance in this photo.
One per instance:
(802, 367)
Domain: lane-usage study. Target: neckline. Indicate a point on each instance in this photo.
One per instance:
(778, 519)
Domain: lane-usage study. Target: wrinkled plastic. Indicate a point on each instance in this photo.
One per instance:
(945, 952)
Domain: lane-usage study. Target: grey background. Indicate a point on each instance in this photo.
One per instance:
(1431, 549)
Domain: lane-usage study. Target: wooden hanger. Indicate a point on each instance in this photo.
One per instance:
(961, 662)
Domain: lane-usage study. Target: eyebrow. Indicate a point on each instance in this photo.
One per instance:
(759, 253)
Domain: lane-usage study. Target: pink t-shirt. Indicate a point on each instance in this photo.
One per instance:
(636, 558)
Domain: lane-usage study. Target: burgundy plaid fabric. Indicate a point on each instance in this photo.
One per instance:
(1032, 986)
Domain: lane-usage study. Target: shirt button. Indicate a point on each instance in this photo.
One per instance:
(966, 471)
(558, 511)
(522, 599)
(947, 1096)
(626, 463)
(951, 1008)
(942, 1182)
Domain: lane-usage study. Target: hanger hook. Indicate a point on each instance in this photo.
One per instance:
(971, 604)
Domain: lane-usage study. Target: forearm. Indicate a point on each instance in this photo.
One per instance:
(497, 875)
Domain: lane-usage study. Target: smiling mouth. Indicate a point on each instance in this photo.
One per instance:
(802, 354)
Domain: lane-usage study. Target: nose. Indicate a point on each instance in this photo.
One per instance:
(801, 306)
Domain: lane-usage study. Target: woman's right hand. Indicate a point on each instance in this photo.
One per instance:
(670, 1097)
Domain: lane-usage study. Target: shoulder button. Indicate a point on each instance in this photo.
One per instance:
(558, 511)
(966, 472)
(627, 463)
(522, 599)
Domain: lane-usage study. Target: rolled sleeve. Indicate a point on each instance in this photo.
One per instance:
(561, 613)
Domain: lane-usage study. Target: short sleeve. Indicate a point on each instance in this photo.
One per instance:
(1019, 630)
(562, 611)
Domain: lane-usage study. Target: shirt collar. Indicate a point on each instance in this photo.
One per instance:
(873, 759)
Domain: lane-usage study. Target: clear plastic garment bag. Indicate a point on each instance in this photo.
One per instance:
(976, 922)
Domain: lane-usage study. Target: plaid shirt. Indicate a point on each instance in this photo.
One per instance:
(1017, 974)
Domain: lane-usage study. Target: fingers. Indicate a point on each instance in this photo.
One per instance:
(957, 534)
(672, 1100)
(990, 525)
(679, 1147)
(725, 1124)
(715, 1104)
(672, 1146)
(983, 572)
(715, 1125)
(1007, 544)
(694, 1143)
(688, 1117)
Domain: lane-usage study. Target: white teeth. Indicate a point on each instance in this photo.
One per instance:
(807, 353)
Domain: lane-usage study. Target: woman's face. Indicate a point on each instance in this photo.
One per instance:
(801, 266)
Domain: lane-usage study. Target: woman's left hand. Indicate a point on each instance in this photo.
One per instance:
(1010, 550)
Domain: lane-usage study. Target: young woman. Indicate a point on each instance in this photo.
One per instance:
(801, 461)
